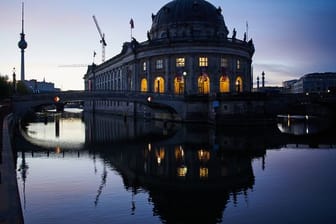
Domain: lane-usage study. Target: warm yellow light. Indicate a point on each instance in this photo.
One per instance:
(204, 172)
(160, 154)
(182, 171)
(179, 153)
(203, 155)
(56, 99)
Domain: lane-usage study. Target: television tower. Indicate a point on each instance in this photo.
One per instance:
(22, 45)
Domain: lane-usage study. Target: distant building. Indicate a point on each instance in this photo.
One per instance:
(187, 51)
(288, 85)
(40, 87)
(312, 83)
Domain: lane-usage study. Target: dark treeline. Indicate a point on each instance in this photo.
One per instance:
(7, 89)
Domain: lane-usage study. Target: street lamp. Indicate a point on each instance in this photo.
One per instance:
(238, 86)
(185, 82)
(14, 81)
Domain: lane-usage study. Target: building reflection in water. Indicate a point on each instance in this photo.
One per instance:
(190, 172)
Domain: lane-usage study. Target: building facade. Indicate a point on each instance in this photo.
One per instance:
(187, 51)
(312, 83)
(40, 87)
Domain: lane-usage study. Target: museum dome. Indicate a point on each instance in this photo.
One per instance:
(188, 18)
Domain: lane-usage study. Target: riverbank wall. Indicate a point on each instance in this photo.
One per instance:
(10, 205)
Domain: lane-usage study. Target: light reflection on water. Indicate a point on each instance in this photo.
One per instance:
(153, 172)
(301, 125)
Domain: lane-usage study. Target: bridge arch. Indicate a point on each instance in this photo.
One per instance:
(171, 103)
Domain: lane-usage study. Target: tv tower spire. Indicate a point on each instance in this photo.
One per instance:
(22, 45)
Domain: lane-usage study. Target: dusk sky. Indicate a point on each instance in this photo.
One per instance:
(291, 37)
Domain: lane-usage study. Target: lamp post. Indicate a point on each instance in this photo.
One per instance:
(238, 86)
(14, 81)
(185, 82)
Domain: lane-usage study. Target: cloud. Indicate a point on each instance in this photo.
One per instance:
(278, 68)
(275, 73)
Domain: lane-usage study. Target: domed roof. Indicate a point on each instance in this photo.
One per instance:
(178, 13)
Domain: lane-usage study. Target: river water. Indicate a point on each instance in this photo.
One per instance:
(93, 168)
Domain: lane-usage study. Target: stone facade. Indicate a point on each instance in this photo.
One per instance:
(188, 51)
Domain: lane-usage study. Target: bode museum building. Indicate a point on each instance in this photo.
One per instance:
(188, 51)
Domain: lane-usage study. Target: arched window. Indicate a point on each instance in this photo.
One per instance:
(159, 85)
(179, 84)
(239, 84)
(224, 84)
(144, 86)
(204, 84)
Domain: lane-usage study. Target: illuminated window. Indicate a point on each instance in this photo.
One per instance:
(159, 64)
(224, 84)
(160, 154)
(203, 155)
(180, 62)
(179, 153)
(204, 172)
(144, 66)
(159, 85)
(238, 64)
(144, 86)
(204, 84)
(203, 61)
(182, 171)
(239, 84)
(179, 85)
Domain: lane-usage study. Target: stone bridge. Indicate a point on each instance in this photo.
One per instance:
(167, 102)
(207, 108)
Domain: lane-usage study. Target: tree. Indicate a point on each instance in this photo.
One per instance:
(22, 89)
(6, 89)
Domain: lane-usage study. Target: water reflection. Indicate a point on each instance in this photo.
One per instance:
(183, 180)
(55, 130)
(189, 172)
(301, 125)
(184, 168)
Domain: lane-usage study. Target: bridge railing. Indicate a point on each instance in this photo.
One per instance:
(142, 96)
(83, 95)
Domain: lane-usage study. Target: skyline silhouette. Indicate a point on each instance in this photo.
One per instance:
(292, 38)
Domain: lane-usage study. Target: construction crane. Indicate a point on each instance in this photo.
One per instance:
(102, 36)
